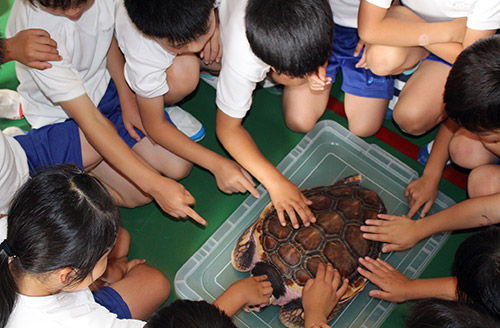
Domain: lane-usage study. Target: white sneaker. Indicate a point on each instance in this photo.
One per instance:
(10, 105)
(13, 131)
(186, 123)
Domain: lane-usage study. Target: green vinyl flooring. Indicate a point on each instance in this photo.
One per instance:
(167, 243)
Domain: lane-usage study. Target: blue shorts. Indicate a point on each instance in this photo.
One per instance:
(435, 58)
(111, 300)
(60, 143)
(356, 81)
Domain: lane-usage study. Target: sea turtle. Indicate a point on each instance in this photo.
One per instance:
(289, 257)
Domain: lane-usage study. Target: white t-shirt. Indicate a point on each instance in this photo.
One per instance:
(13, 172)
(146, 61)
(241, 69)
(345, 12)
(481, 14)
(83, 45)
(71, 310)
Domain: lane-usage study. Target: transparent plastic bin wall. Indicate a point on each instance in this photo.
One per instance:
(326, 154)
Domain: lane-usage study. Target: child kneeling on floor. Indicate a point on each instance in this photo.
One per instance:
(63, 225)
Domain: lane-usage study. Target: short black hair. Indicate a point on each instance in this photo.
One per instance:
(179, 22)
(477, 266)
(472, 91)
(294, 37)
(190, 314)
(436, 313)
(63, 4)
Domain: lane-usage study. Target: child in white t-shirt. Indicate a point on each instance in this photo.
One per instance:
(63, 225)
(79, 87)
(422, 31)
(161, 67)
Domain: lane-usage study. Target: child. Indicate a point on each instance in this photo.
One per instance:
(74, 86)
(435, 313)
(161, 68)
(319, 297)
(366, 94)
(62, 226)
(399, 38)
(291, 43)
(477, 269)
(471, 100)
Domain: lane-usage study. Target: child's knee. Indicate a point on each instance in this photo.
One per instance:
(363, 129)
(411, 122)
(383, 60)
(483, 181)
(179, 170)
(297, 124)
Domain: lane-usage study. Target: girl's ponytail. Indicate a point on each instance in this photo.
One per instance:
(7, 285)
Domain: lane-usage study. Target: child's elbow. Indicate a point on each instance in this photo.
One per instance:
(366, 34)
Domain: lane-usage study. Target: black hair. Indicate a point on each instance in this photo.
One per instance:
(63, 4)
(472, 91)
(477, 266)
(190, 314)
(436, 313)
(2, 50)
(179, 22)
(294, 37)
(59, 218)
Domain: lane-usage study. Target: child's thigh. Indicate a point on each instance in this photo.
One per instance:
(365, 115)
(420, 104)
(484, 180)
(385, 60)
(467, 150)
(302, 107)
(162, 160)
(182, 77)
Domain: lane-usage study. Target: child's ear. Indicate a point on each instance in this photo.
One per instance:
(65, 275)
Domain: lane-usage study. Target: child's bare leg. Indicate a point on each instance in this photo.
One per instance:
(385, 60)
(365, 115)
(302, 107)
(182, 78)
(144, 289)
(484, 181)
(466, 150)
(162, 160)
(420, 104)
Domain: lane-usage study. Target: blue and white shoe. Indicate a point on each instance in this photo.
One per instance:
(185, 122)
(424, 152)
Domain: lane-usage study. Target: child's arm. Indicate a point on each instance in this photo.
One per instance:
(401, 233)
(230, 176)
(33, 48)
(396, 287)
(250, 291)
(102, 135)
(284, 194)
(130, 111)
(423, 191)
(321, 294)
(376, 27)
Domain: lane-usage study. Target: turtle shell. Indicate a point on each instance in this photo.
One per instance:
(335, 238)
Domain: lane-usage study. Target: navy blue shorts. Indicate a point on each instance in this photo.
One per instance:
(111, 300)
(60, 143)
(435, 58)
(356, 81)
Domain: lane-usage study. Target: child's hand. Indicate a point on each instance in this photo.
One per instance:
(362, 61)
(393, 283)
(212, 52)
(421, 192)
(286, 197)
(255, 290)
(321, 294)
(231, 178)
(318, 81)
(176, 200)
(132, 118)
(398, 232)
(33, 48)
(117, 268)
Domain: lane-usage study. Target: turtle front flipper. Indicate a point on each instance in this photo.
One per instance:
(354, 179)
(243, 253)
(292, 314)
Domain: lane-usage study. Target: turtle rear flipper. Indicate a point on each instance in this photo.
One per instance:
(243, 252)
(292, 314)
